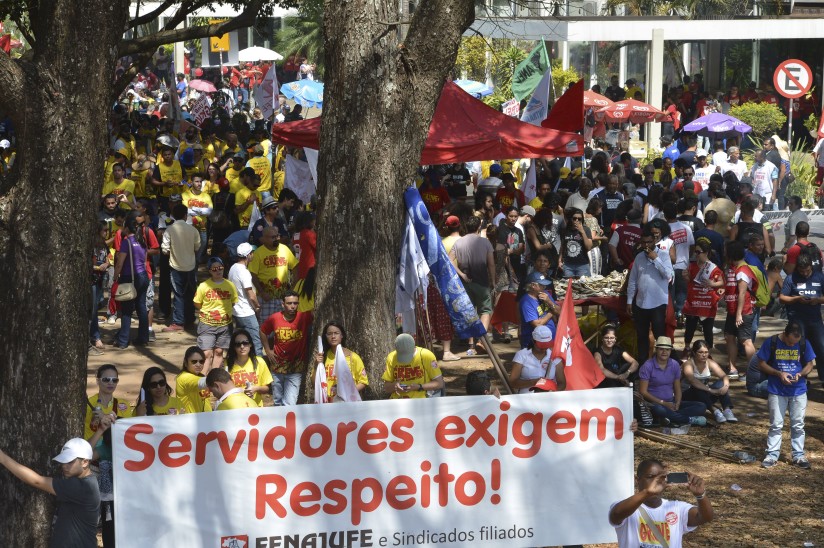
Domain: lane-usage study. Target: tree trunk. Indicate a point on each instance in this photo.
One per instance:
(380, 96)
(59, 101)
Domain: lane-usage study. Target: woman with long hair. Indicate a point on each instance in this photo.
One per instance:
(617, 365)
(190, 383)
(215, 181)
(705, 287)
(485, 207)
(699, 372)
(248, 370)
(156, 396)
(654, 204)
(591, 220)
(130, 267)
(334, 335)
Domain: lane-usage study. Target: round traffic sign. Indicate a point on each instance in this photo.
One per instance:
(793, 78)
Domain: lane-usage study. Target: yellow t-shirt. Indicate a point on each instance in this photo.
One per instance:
(107, 170)
(193, 399)
(272, 268)
(142, 188)
(422, 369)
(170, 174)
(278, 180)
(216, 300)
(264, 170)
(121, 410)
(355, 364)
(174, 406)
(241, 196)
(537, 203)
(238, 400)
(125, 186)
(233, 176)
(657, 175)
(257, 374)
(190, 200)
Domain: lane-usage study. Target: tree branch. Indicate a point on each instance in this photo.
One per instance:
(151, 16)
(24, 30)
(138, 45)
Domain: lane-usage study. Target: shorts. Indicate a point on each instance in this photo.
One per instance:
(742, 332)
(481, 297)
(210, 336)
(150, 296)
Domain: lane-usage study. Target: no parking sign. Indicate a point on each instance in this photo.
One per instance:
(793, 78)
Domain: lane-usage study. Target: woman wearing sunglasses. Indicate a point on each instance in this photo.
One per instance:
(248, 370)
(190, 384)
(104, 403)
(156, 396)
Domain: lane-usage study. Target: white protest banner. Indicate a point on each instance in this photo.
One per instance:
(524, 470)
(298, 177)
(266, 93)
(201, 110)
(511, 107)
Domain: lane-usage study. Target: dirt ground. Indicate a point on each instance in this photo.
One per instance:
(781, 507)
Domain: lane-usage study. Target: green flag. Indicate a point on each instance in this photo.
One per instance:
(530, 71)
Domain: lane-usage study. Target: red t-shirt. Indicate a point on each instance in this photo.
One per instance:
(702, 301)
(794, 252)
(304, 244)
(734, 275)
(288, 340)
(151, 243)
(435, 199)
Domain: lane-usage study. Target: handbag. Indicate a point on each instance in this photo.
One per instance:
(127, 291)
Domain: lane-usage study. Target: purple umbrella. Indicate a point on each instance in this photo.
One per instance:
(718, 126)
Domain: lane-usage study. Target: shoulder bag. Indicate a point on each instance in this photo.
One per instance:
(127, 291)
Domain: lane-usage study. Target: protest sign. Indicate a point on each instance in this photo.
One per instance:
(524, 470)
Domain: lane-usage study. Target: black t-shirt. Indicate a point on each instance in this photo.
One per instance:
(78, 510)
(693, 222)
(615, 361)
(573, 250)
(611, 202)
(456, 185)
(775, 158)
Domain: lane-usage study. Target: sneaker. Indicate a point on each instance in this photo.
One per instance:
(698, 421)
(94, 351)
(768, 463)
(172, 328)
(152, 336)
(802, 463)
(717, 330)
(729, 415)
(450, 357)
(719, 416)
(469, 353)
(112, 319)
(733, 375)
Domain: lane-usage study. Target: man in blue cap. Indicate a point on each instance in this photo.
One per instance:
(536, 307)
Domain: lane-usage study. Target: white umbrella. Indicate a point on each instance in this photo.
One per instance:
(257, 53)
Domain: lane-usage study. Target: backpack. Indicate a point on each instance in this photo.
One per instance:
(811, 250)
(802, 347)
(762, 292)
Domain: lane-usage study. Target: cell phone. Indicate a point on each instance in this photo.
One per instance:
(404, 386)
(677, 477)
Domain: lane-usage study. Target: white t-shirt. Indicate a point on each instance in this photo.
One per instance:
(702, 176)
(683, 239)
(756, 216)
(719, 158)
(670, 518)
(762, 179)
(817, 150)
(533, 368)
(739, 168)
(242, 278)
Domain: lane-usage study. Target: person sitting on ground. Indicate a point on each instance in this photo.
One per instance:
(534, 364)
(411, 371)
(756, 379)
(617, 365)
(660, 380)
(227, 394)
(536, 307)
(666, 521)
(478, 384)
(698, 372)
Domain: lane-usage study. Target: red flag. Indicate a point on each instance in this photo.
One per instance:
(581, 371)
(5, 43)
(567, 113)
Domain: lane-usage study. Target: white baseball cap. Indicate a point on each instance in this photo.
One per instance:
(245, 249)
(75, 448)
(5, 143)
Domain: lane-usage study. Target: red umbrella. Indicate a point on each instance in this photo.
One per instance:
(592, 99)
(630, 110)
(203, 85)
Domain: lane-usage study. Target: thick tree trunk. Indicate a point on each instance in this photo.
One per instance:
(380, 96)
(59, 103)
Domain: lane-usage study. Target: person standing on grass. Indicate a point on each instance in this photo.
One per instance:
(787, 359)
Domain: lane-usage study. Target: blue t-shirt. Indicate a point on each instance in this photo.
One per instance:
(716, 241)
(181, 89)
(795, 285)
(787, 360)
(530, 309)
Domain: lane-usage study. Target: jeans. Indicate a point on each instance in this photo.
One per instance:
(644, 319)
(286, 388)
(141, 284)
(679, 291)
(164, 299)
(250, 324)
(682, 416)
(778, 406)
(94, 327)
(576, 270)
(183, 285)
(694, 394)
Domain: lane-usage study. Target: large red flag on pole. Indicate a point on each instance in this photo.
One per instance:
(581, 371)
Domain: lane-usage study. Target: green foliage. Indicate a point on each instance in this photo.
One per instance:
(811, 123)
(764, 118)
(803, 168)
(504, 61)
(472, 58)
(652, 154)
(303, 36)
(561, 78)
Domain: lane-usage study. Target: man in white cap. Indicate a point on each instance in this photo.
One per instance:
(78, 495)
(411, 371)
(245, 310)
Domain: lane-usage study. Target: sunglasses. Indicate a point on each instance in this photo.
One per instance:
(157, 384)
(197, 361)
(243, 343)
(216, 269)
(577, 218)
(109, 380)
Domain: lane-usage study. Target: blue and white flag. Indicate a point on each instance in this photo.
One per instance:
(413, 276)
(464, 317)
